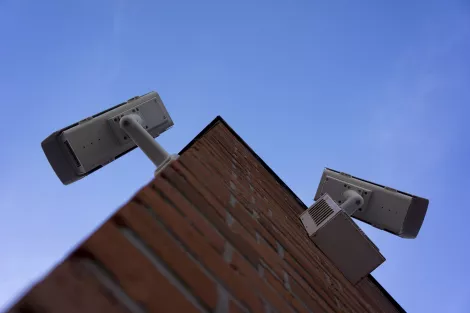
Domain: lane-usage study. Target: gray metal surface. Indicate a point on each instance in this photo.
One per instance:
(319, 214)
(385, 208)
(353, 202)
(133, 125)
(340, 239)
(349, 249)
(79, 149)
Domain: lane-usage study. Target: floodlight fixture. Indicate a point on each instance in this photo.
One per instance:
(84, 147)
(385, 208)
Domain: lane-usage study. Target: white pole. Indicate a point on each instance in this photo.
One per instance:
(353, 202)
(156, 153)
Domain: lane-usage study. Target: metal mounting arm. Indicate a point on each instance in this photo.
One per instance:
(353, 201)
(131, 124)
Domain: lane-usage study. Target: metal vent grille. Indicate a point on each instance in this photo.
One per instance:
(320, 212)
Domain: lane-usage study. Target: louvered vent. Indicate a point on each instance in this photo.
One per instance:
(320, 212)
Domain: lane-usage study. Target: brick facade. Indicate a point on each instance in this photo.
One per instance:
(217, 231)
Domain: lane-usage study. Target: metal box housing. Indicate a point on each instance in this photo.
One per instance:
(340, 239)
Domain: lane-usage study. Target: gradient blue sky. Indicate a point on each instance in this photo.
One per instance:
(378, 89)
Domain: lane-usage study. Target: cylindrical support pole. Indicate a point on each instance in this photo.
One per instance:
(353, 201)
(156, 153)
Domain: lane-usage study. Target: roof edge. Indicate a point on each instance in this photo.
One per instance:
(219, 119)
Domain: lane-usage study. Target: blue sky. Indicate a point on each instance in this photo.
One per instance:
(373, 88)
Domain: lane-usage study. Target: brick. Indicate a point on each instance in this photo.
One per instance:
(69, 288)
(271, 258)
(314, 274)
(234, 308)
(135, 273)
(264, 252)
(205, 157)
(239, 264)
(277, 285)
(307, 298)
(242, 215)
(318, 287)
(279, 266)
(201, 201)
(199, 248)
(188, 186)
(193, 216)
(163, 245)
(209, 246)
(247, 270)
(205, 176)
(375, 296)
(291, 204)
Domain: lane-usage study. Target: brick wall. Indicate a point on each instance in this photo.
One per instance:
(215, 232)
